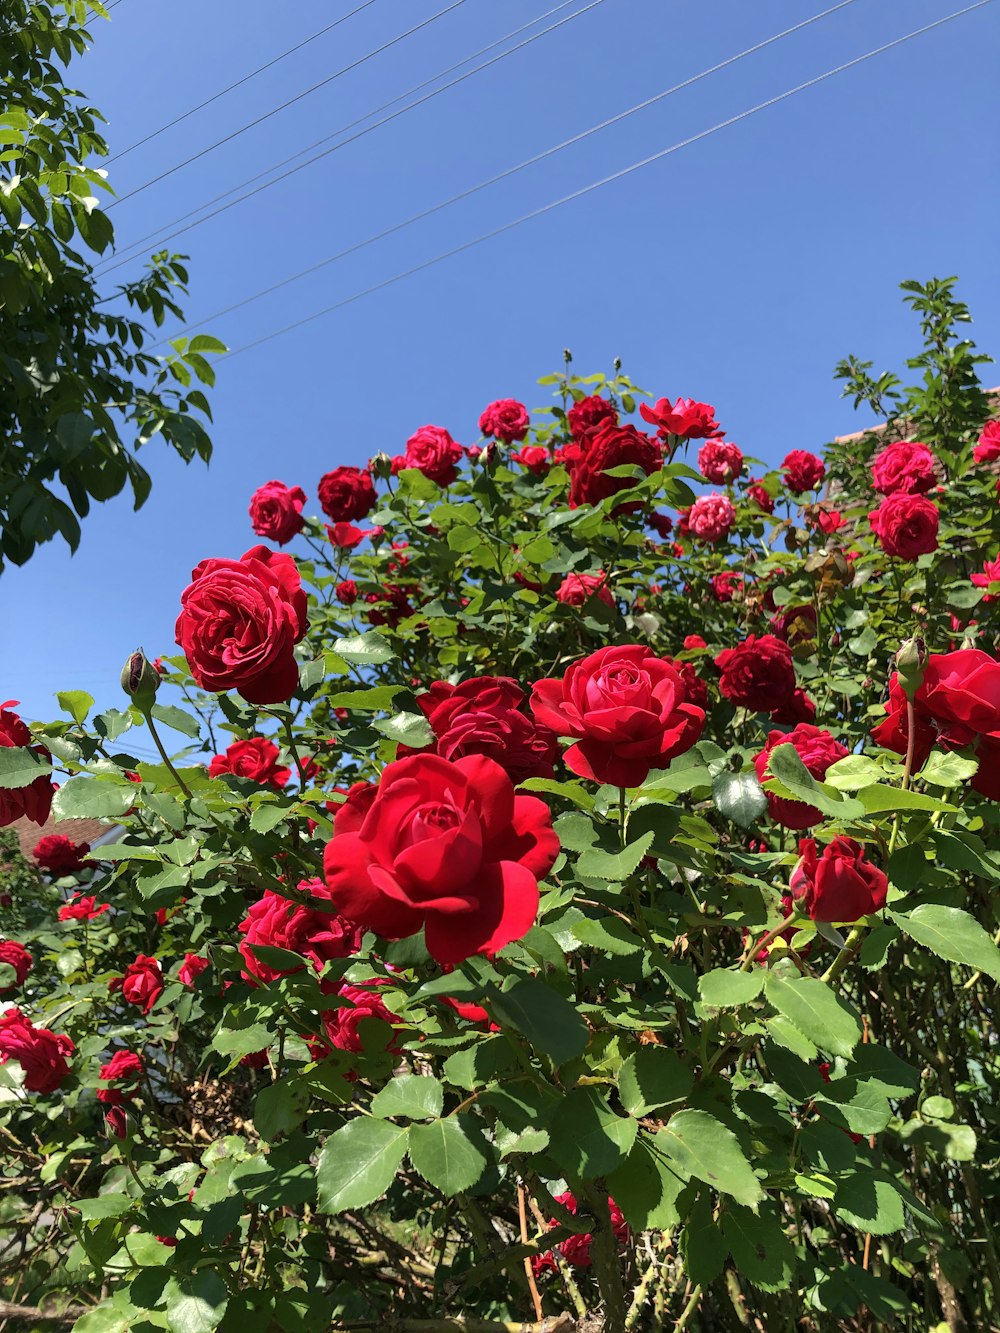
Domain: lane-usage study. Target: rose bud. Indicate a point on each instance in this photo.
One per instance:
(140, 680)
(380, 465)
(910, 662)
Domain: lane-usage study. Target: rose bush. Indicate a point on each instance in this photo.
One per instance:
(462, 963)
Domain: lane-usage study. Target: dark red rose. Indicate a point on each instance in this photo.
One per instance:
(395, 601)
(448, 846)
(314, 932)
(578, 589)
(116, 1123)
(588, 415)
(694, 687)
(611, 447)
(35, 800)
(80, 908)
(711, 517)
(483, 716)
(629, 710)
(346, 494)
(40, 1053)
(840, 885)
(906, 525)
(362, 1024)
(758, 673)
(191, 968)
(141, 984)
(16, 956)
(255, 759)
(818, 750)
(904, 465)
(727, 586)
(720, 461)
(662, 524)
(432, 451)
(346, 592)
(239, 624)
(803, 471)
(345, 536)
(505, 420)
(989, 576)
(533, 457)
(60, 855)
(761, 497)
(798, 708)
(122, 1071)
(686, 419)
(988, 448)
(276, 511)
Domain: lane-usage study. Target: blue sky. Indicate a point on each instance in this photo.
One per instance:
(737, 270)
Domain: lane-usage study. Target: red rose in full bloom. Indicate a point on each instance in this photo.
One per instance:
(686, 419)
(905, 525)
(988, 448)
(191, 968)
(59, 855)
(758, 673)
(432, 451)
(315, 933)
(578, 589)
(818, 750)
(346, 494)
(239, 623)
(40, 1053)
(841, 884)
(711, 517)
(989, 576)
(483, 716)
(447, 846)
(15, 955)
(505, 420)
(276, 511)
(904, 465)
(123, 1070)
(141, 984)
(629, 710)
(727, 585)
(346, 592)
(611, 447)
(720, 461)
(761, 497)
(349, 1027)
(576, 1249)
(586, 417)
(803, 471)
(533, 457)
(256, 759)
(35, 800)
(80, 908)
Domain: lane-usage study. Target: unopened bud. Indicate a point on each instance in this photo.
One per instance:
(140, 680)
(617, 364)
(380, 465)
(567, 355)
(910, 662)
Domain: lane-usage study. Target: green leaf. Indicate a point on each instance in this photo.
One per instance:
(450, 1154)
(411, 729)
(103, 1319)
(104, 1205)
(615, 867)
(728, 987)
(279, 1109)
(591, 1139)
(645, 1188)
(366, 649)
(951, 934)
(762, 1251)
(882, 799)
(948, 769)
(739, 797)
(881, 1069)
(196, 1304)
(852, 772)
(869, 1203)
(374, 700)
(652, 1076)
(550, 1022)
(411, 1097)
(608, 936)
(241, 1041)
(20, 766)
(77, 703)
(269, 816)
(176, 719)
(698, 1145)
(358, 1163)
(794, 781)
(818, 1013)
(92, 798)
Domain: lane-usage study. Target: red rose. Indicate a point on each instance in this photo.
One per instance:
(472, 1013)
(711, 517)
(829, 520)
(588, 415)
(758, 673)
(693, 641)
(803, 471)
(727, 585)
(141, 984)
(662, 524)
(35, 800)
(16, 956)
(629, 709)
(276, 511)
(40, 1053)
(255, 759)
(841, 884)
(191, 969)
(611, 447)
(447, 846)
(578, 589)
(686, 419)
(989, 576)
(694, 687)
(346, 592)
(239, 623)
(818, 750)
(80, 908)
(345, 536)
(798, 708)
(346, 493)
(720, 461)
(506, 420)
(905, 525)
(533, 457)
(124, 1069)
(398, 605)
(350, 1026)
(116, 1123)
(761, 497)
(60, 855)
(482, 716)
(432, 451)
(313, 932)
(988, 448)
(905, 465)
(576, 1249)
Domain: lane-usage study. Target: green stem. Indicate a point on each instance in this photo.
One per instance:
(148, 717)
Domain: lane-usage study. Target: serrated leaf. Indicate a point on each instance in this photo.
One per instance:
(818, 1013)
(951, 934)
(92, 798)
(197, 1303)
(177, 719)
(615, 866)
(358, 1163)
(451, 1154)
(698, 1145)
(651, 1077)
(410, 729)
(762, 1251)
(793, 780)
(546, 1018)
(869, 1203)
(77, 703)
(591, 1139)
(739, 797)
(645, 1188)
(20, 766)
(728, 987)
(370, 649)
(410, 1097)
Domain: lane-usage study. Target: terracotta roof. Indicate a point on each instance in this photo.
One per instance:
(992, 394)
(92, 831)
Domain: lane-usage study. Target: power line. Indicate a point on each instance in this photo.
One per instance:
(510, 171)
(256, 193)
(606, 180)
(259, 120)
(140, 244)
(239, 82)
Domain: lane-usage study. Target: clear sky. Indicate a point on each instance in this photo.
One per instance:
(737, 270)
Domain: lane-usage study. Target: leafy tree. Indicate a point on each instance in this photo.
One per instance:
(81, 391)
